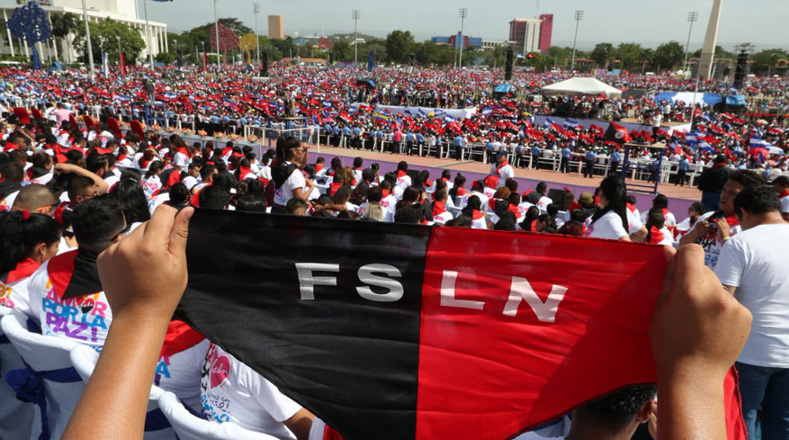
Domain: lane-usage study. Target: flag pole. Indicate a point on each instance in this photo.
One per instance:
(216, 31)
(87, 36)
(147, 32)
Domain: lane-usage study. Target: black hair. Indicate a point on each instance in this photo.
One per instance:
(473, 204)
(618, 409)
(153, 168)
(630, 198)
(511, 184)
(531, 215)
(613, 188)
(214, 197)
(251, 204)
(179, 195)
(358, 162)
(410, 214)
(446, 174)
(18, 237)
(698, 207)
(293, 205)
(660, 201)
(757, 200)
(506, 222)
(463, 221)
(368, 175)
(390, 178)
(342, 193)
(374, 194)
(96, 222)
(95, 162)
(781, 180)
(514, 199)
(654, 218)
(541, 187)
(440, 195)
(206, 171)
(256, 188)
(402, 166)
(131, 197)
(12, 171)
(224, 180)
(747, 178)
(77, 185)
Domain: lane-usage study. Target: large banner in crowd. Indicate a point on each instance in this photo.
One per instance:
(389, 331)
(426, 112)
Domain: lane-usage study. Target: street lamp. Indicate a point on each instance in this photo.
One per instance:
(87, 35)
(256, 7)
(579, 15)
(463, 13)
(147, 33)
(216, 31)
(692, 18)
(356, 14)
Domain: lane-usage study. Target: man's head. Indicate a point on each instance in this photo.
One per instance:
(12, 172)
(80, 189)
(781, 184)
(501, 158)
(214, 197)
(617, 414)
(541, 187)
(660, 201)
(194, 169)
(35, 198)
(98, 223)
(754, 204)
(358, 162)
(296, 207)
(402, 166)
(97, 164)
(207, 173)
(738, 181)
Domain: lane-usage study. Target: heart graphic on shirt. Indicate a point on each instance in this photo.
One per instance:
(220, 369)
(85, 303)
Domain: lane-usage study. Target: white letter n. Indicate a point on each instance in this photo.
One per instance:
(522, 290)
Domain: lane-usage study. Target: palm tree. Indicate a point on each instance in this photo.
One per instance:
(62, 26)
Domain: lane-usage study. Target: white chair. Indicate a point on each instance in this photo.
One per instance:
(156, 425)
(48, 361)
(190, 427)
(17, 419)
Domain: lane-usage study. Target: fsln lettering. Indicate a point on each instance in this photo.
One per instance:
(372, 275)
(522, 290)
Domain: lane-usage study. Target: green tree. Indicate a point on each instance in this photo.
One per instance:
(630, 55)
(376, 47)
(165, 57)
(428, 53)
(767, 61)
(342, 51)
(668, 55)
(603, 53)
(495, 57)
(62, 26)
(104, 34)
(399, 46)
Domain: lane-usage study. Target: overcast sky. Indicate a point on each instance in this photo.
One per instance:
(761, 22)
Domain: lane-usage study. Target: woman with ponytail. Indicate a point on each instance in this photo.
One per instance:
(27, 241)
(611, 220)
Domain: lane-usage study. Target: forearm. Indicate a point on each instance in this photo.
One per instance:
(691, 407)
(121, 381)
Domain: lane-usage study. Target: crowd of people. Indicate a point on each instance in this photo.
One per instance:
(68, 194)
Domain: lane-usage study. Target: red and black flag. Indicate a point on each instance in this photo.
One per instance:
(390, 331)
(617, 133)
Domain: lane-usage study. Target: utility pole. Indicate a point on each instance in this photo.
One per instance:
(692, 18)
(216, 31)
(463, 13)
(356, 14)
(147, 32)
(87, 35)
(257, 37)
(579, 15)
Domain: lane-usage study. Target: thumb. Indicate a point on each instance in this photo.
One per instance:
(180, 232)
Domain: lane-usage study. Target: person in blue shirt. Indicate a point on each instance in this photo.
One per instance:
(489, 150)
(420, 141)
(356, 142)
(589, 161)
(346, 134)
(519, 155)
(459, 142)
(336, 136)
(616, 159)
(327, 132)
(535, 156)
(564, 165)
(409, 143)
(682, 170)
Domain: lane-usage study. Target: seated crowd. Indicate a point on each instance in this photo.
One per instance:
(61, 207)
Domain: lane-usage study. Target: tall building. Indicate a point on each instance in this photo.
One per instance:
(276, 27)
(531, 34)
(546, 32)
(123, 11)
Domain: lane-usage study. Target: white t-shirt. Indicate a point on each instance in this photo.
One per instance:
(190, 182)
(151, 186)
(180, 374)
(756, 266)
(504, 173)
(285, 192)
(608, 226)
(388, 204)
(404, 181)
(711, 243)
(442, 218)
(84, 319)
(633, 222)
(180, 160)
(233, 392)
(14, 293)
(785, 204)
(543, 204)
(8, 201)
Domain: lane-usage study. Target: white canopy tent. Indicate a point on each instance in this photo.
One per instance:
(581, 86)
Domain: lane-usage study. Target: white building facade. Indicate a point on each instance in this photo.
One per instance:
(123, 11)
